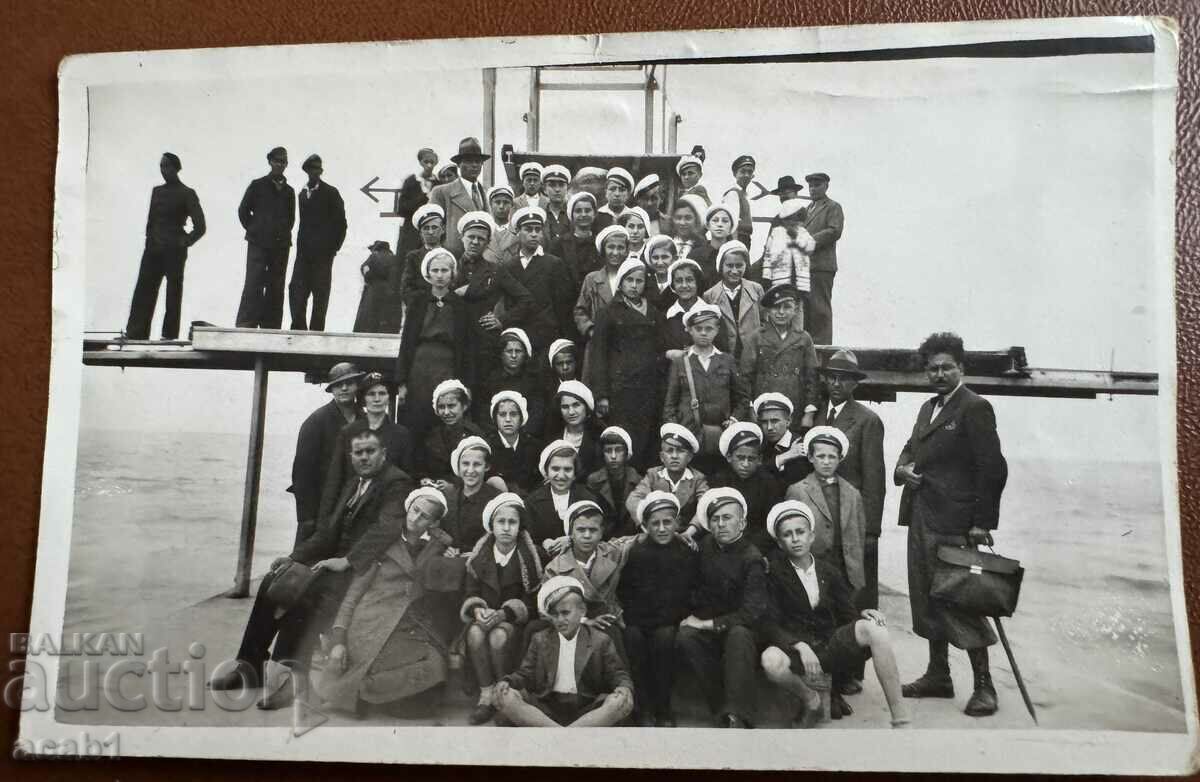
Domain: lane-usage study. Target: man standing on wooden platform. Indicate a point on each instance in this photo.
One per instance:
(171, 205)
(322, 232)
(823, 220)
(267, 212)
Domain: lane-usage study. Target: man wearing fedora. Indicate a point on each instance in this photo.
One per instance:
(464, 194)
(823, 219)
(862, 468)
(315, 444)
(322, 231)
(267, 212)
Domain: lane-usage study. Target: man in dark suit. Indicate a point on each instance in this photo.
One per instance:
(863, 465)
(811, 626)
(570, 675)
(172, 204)
(322, 231)
(368, 517)
(315, 443)
(267, 212)
(546, 278)
(953, 473)
(823, 219)
(464, 194)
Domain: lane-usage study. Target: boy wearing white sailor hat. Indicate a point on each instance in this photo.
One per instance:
(678, 447)
(741, 445)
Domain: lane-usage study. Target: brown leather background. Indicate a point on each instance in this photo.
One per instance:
(37, 36)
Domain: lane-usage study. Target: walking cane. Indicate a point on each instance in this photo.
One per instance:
(1016, 671)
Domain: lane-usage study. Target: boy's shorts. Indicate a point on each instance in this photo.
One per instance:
(563, 708)
(838, 654)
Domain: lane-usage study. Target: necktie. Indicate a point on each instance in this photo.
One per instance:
(832, 416)
(938, 401)
(477, 194)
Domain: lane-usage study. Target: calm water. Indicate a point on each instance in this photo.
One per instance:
(157, 519)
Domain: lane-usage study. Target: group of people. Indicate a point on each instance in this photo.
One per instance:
(578, 586)
(576, 215)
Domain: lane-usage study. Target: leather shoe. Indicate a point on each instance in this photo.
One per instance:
(929, 687)
(851, 687)
(282, 697)
(243, 676)
(482, 713)
(838, 707)
(807, 717)
(983, 701)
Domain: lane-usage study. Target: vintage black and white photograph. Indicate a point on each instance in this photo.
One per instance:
(407, 397)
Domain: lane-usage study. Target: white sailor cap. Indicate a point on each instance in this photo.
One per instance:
(527, 214)
(555, 589)
(426, 212)
(678, 434)
(688, 160)
(827, 434)
(645, 183)
(738, 434)
(556, 171)
(530, 167)
(772, 400)
(496, 190)
(621, 175)
(476, 219)
(788, 509)
(715, 498)
(652, 502)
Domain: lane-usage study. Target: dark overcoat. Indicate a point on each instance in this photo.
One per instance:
(786, 365)
(548, 281)
(316, 445)
(627, 360)
(322, 222)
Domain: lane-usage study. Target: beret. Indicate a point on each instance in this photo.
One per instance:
(555, 589)
(450, 385)
(558, 346)
(608, 231)
(425, 493)
(576, 198)
(434, 254)
(467, 444)
(549, 451)
(511, 396)
(520, 336)
(732, 246)
(620, 434)
(579, 391)
(501, 500)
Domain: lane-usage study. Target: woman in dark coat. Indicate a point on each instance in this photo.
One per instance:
(380, 310)
(432, 347)
(686, 279)
(627, 362)
(658, 255)
(571, 417)
(577, 249)
(430, 223)
(414, 193)
(495, 300)
(517, 372)
(500, 595)
(548, 503)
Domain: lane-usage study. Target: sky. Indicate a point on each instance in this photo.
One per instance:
(1008, 200)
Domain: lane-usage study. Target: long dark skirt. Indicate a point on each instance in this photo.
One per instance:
(433, 362)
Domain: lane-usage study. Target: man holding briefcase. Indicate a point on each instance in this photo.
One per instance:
(953, 473)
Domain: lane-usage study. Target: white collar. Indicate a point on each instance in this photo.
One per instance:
(687, 476)
(837, 409)
(806, 571)
(716, 351)
(536, 252)
(515, 442)
(785, 441)
(731, 292)
(946, 399)
(677, 308)
(424, 536)
(502, 559)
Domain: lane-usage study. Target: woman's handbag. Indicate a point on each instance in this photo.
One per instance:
(289, 583)
(977, 582)
(708, 435)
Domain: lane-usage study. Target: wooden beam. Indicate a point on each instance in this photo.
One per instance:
(254, 452)
(489, 124)
(311, 343)
(626, 86)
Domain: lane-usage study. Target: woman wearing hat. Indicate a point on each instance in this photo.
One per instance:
(432, 345)
(627, 361)
(548, 504)
(577, 248)
(515, 373)
(599, 287)
(429, 223)
(470, 492)
(636, 222)
(380, 308)
(685, 276)
(514, 450)
(503, 575)
(658, 254)
(738, 299)
(414, 194)
(687, 227)
(718, 227)
(390, 641)
(571, 417)
(451, 403)
(373, 397)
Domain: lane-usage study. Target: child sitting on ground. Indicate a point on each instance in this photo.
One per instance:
(811, 625)
(594, 692)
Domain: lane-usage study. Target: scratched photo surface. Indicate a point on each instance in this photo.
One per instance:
(1007, 199)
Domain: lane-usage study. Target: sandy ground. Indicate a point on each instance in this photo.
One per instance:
(1065, 697)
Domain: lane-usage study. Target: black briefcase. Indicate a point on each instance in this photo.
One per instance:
(977, 582)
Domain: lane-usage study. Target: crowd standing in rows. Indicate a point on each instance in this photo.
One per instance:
(616, 456)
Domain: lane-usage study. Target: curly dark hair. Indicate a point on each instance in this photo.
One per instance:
(942, 342)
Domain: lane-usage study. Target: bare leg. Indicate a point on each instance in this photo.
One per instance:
(616, 707)
(477, 652)
(498, 649)
(778, 668)
(521, 714)
(871, 635)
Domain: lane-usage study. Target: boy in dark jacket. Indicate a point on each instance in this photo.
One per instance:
(616, 481)
(785, 360)
(811, 624)
(741, 444)
(595, 692)
(656, 584)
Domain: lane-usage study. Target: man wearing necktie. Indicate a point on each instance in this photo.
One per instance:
(464, 194)
(953, 473)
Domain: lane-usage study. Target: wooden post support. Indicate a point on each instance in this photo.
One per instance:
(254, 452)
(649, 108)
(532, 129)
(489, 124)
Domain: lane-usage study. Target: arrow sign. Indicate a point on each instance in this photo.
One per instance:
(367, 190)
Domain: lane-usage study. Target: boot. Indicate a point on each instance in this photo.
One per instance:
(935, 683)
(486, 708)
(983, 701)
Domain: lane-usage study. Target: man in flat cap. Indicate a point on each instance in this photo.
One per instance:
(823, 219)
(322, 231)
(464, 194)
(268, 213)
(172, 204)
